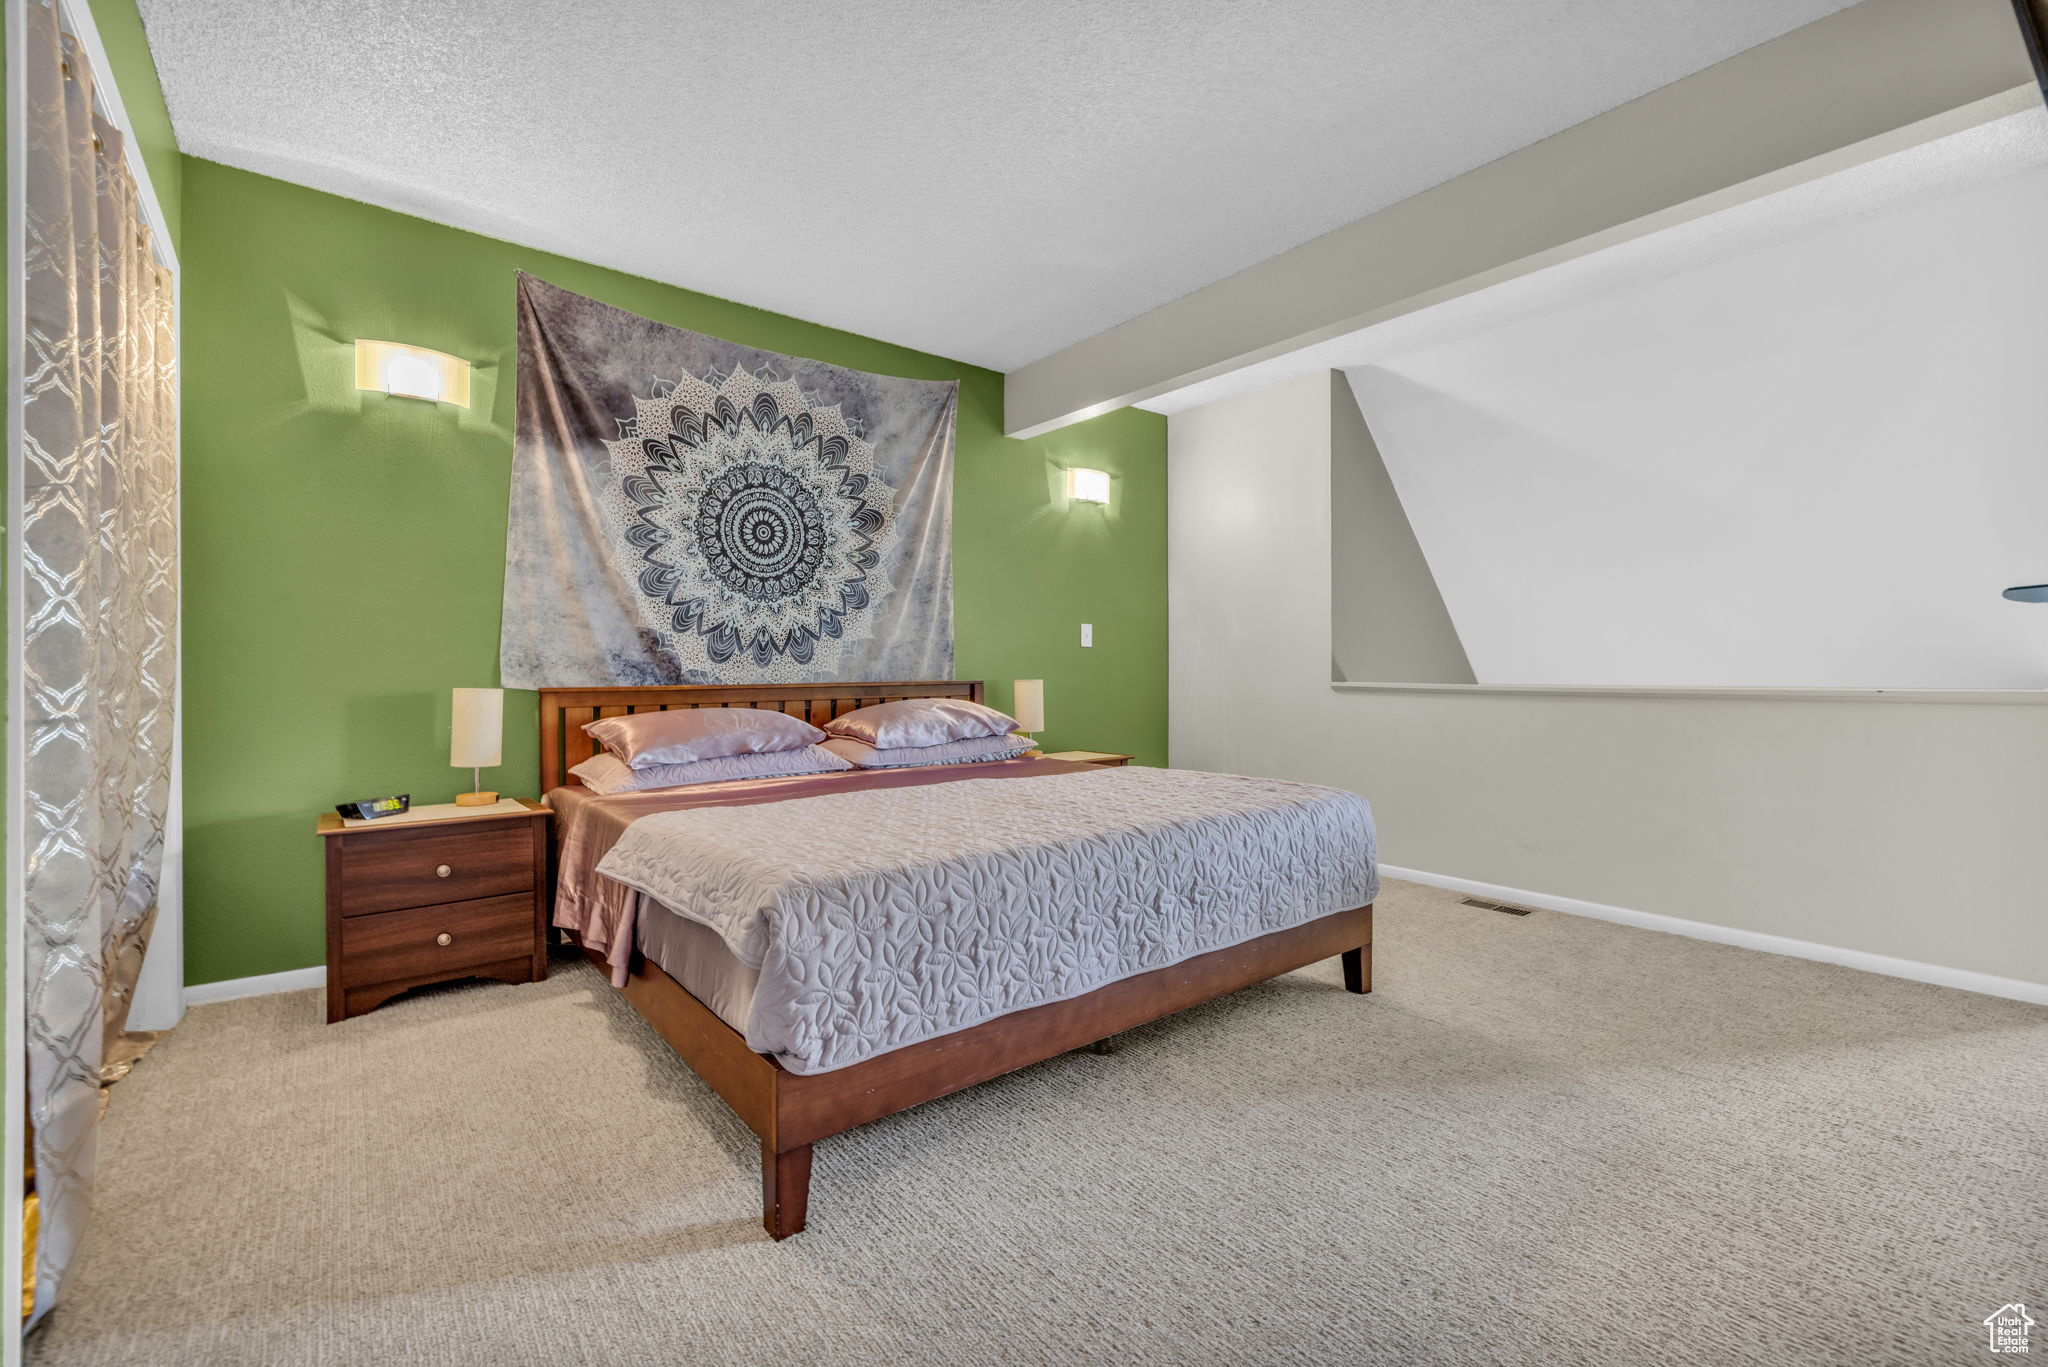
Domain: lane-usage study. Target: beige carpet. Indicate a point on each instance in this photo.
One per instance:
(1543, 1140)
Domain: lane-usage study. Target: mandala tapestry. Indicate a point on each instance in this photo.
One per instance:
(685, 510)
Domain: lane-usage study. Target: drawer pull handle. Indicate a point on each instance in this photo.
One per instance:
(443, 871)
(444, 938)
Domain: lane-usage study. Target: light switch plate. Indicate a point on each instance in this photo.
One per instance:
(1087, 633)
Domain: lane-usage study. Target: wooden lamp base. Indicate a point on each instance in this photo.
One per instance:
(479, 798)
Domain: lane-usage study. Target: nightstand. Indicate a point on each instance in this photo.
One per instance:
(411, 902)
(1099, 758)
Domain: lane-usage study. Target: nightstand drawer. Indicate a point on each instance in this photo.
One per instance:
(390, 945)
(432, 865)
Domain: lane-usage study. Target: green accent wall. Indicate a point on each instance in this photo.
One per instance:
(344, 552)
(134, 74)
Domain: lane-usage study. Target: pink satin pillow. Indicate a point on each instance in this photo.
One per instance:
(685, 735)
(864, 756)
(607, 774)
(914, 722)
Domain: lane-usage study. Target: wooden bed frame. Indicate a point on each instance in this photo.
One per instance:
(791, 1111)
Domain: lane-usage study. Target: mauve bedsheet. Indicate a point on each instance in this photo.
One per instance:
(882, 915)
(694, 956)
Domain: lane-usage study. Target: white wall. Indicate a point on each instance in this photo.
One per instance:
(1387, 620)
(1810, 465)
(1907, 829)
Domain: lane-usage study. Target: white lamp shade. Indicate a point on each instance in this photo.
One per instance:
(478, 740)
(1030, 704)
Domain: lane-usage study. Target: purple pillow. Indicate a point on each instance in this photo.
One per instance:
(865, 756)
(684, 735)
(608, 774)
(921, 721)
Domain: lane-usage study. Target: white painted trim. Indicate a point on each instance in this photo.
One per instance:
(2026, 697)
(2015, 989)
(78, 22)
(13, 1133)
(262, 985)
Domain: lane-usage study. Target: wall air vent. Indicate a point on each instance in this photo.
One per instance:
(1488, 904)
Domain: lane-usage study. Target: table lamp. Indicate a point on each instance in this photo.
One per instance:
(477, 739)
(1029, 706)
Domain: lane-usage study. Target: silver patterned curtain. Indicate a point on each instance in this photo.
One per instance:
(99, 540)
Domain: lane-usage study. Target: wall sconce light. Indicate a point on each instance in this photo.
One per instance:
(412, 371)
(1088, 486)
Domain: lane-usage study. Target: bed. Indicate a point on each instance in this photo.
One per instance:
(1039, 877)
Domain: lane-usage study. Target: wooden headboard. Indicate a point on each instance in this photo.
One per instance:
(565, 711)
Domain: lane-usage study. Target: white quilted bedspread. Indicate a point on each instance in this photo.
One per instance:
(885, 917)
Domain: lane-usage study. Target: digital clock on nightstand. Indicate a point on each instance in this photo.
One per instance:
(370, 808)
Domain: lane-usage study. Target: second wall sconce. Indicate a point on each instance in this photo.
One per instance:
(412, 371)
(1088, 486)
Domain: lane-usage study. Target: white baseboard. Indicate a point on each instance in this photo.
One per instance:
(2017, 989)
(262, 985)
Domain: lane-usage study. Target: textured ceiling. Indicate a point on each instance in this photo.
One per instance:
(987, 181)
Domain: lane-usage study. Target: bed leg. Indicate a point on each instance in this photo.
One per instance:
(785, 1189)
(1358, 969)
